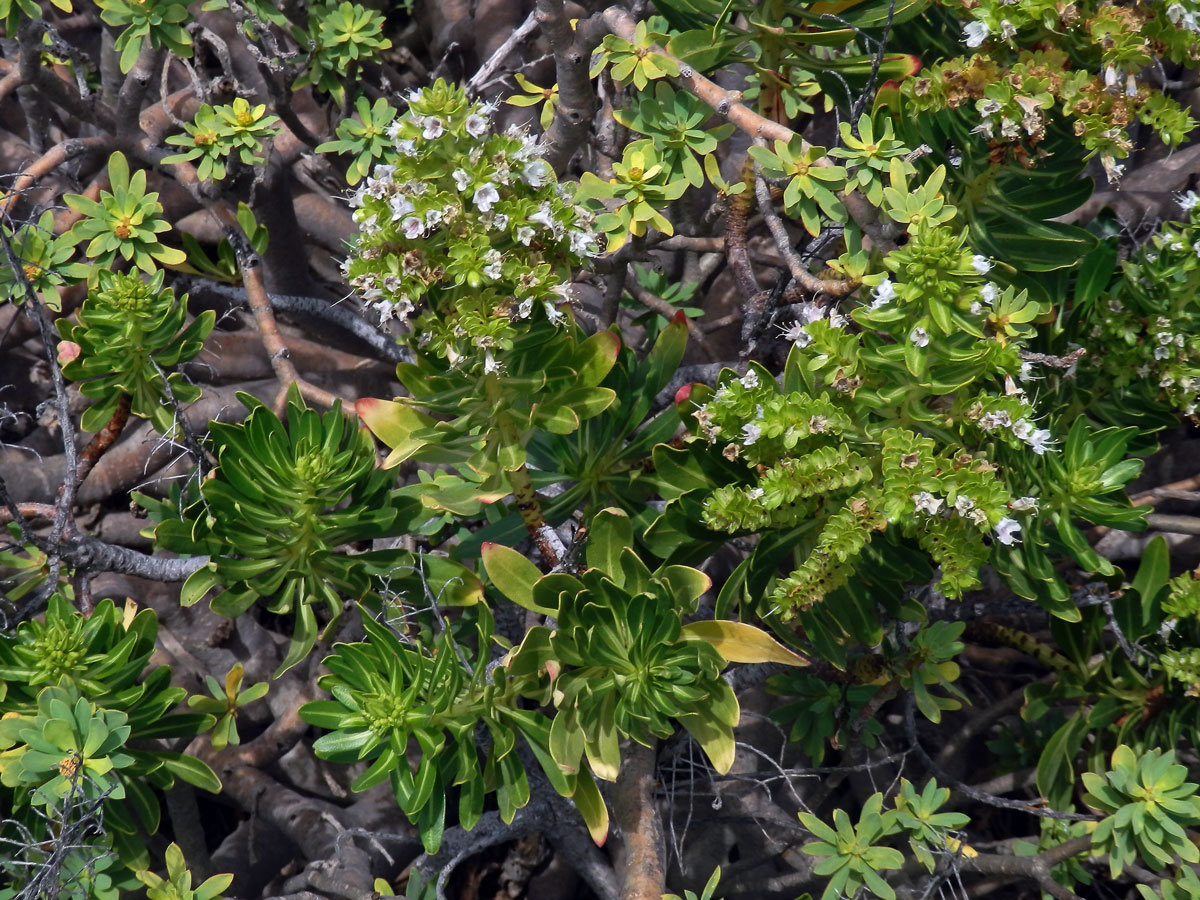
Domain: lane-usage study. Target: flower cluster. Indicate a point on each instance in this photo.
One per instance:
(462, 231)
(1009, 418)
(1148, 324)
(1015, 103)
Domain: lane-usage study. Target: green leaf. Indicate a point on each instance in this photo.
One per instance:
(1056, 765)
(741, 643)
(514, 576)
(591, 806)
(194, 771)
(610, 533)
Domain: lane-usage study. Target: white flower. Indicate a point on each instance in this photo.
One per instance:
(818, 424)
(544, 218)
(1112, 76)
(754, 493)
(489, 364)
(810, 312)
(1131, 88)
(433, 128)
(1175, 13)
(989, 107)
(1161, 353)
(993, 420)
(981, 264)
(476, 125)
(1022, 429)
(401, 207)
(461, 179)
(750, 380)
(433, 218)
(1187, 202)
(1166, 381)
(976, 309)
(1112, 169)
(555, 316)
(885, 292)
(1026, 373)
(836, 319)
(963, 504)
(393, 130)
(536, 173)
(977, 516)
(1007, 530)
(407, 147)
(1024, 504)
(1007, 29)
(525, 234)
(392, 283)
(919, 336)
(583, 243)
(750, 434)
(485, 195)
(797, 334)
(1040, 441)
(975, 34)
(525, 308)
(492, 271)
(927, 503)
(412, 227)
(989, 292)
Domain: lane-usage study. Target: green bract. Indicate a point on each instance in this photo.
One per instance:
(129, 333)
(125, 222)
(225, 702)
(216, 135)
(812, 188)
(1149, 803)
(367, 138)
(533, 95)
(159, 20)
(635, 62)
(178, 883)
(673, 122)
(344, 36)
(852, 860)
(868, 155)
(102, 661)
(41, 259)
(642, 184)
(928, 829)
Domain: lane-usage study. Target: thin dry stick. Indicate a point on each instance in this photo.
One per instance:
(277, 351)
(10, 82)
(479, 79)
(657, 304)
(799, 272)
(60, 153)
